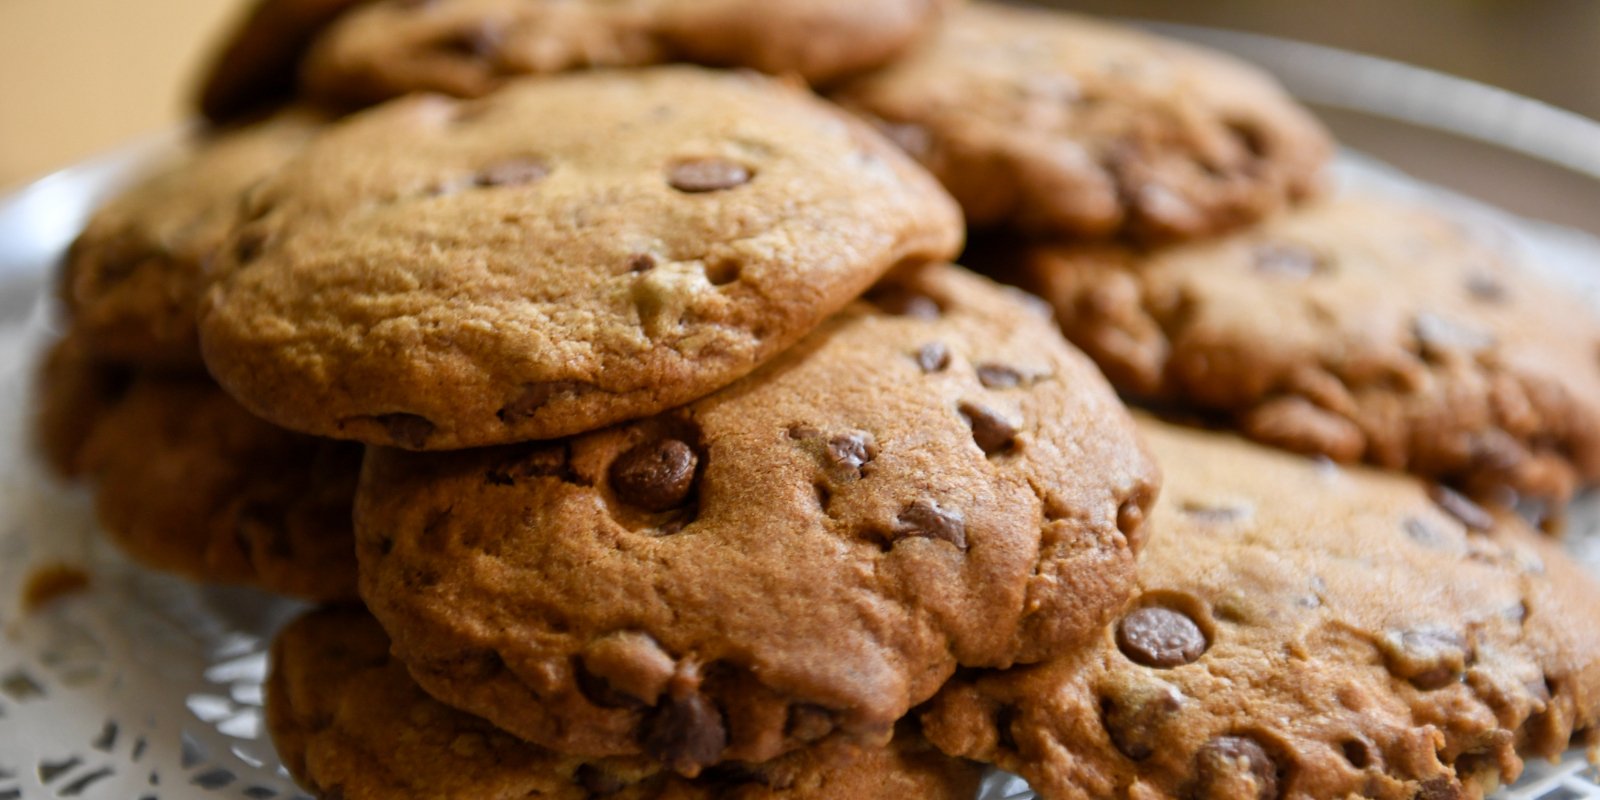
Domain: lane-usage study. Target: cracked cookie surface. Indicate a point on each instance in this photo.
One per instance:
(1061, 125)
(187, 481)
(351, 723)
(567, 253)
(1303, 631)
(1358, 328)
(132, 279)
(470, 47)
(928, 481)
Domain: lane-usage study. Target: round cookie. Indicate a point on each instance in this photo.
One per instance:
(257, 64)
(186, 481)
(349, 722)
(1358, 328)
(933, 482)
(568, 253)
(132, 279)
(1303, 631)
(470, 47)
(1056, 124)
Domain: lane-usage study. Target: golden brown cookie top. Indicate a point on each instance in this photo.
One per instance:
(565, 254)
(350, 722)
(1057, 124)
(931, 482)
(133, 277)
(1303, 631)
(187, 481)
(470, 47)
(1357, 328)
(257, 64)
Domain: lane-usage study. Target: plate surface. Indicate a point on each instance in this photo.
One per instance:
(149, 687)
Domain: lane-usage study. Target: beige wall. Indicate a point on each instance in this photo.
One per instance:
(80, 76)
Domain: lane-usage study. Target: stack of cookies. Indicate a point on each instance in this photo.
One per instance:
(627, 415)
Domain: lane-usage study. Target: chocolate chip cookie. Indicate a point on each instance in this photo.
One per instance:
(187, 481)
(1358, 328)
(1056, 124)
(131, 280)
(565, 254)
(929, 481)
(349, 722)
(1304, 631)
(258, 63)
(470, 47)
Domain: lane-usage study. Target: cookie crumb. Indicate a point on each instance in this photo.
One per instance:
(50, 583)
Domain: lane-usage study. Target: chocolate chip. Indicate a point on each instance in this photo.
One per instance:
(656, 475)
(901, 302)
(410, 431)
(513, 172)
(998, 376)
(1457, 505)
(1235, 768)
(1287, 259)
(993, 433)
(699, 175)
(925, 518)
(1430, 658)
(686, 734)
(1160, 637)
(641, 262)
(850, 451)
(535, 396)
(933, 357)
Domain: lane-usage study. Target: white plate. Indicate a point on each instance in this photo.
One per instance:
(150, 687)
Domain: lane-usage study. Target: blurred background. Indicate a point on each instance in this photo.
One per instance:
(80, 76)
